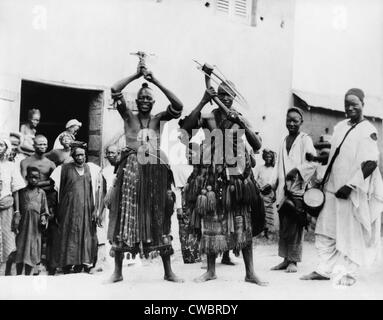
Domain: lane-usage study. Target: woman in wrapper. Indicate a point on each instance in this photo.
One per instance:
(265, 175)
(10, 183)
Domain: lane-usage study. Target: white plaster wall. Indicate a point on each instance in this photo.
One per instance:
(338, 45)
(88, 42)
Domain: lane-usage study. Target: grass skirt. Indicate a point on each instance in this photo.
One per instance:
(223, 211)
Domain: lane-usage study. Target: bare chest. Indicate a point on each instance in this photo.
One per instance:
(217, 120)
(289, 143)
(43, 165)
(136, 124)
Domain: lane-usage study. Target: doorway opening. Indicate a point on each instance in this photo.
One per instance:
(58, 104)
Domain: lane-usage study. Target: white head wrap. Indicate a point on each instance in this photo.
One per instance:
(5, 139)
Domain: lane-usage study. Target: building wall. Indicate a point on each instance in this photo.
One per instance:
(89, 43)
(316, 120)
(338, 44)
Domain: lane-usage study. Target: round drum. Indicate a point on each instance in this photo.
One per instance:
(314, 200)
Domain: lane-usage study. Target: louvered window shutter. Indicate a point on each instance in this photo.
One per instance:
(238, 10)
(223, 5)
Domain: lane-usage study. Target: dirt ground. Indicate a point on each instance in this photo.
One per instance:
(143, 280)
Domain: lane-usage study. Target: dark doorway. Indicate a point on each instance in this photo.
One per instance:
(58, 104)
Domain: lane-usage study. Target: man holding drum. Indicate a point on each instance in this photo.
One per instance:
(293, 173)
(348, 227)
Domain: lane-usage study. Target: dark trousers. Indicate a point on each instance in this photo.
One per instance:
(290, 238)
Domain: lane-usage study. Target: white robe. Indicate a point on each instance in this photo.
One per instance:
(109, 176)
(295, 159)
(354, 223)
(10, 177)
(264, 175)
(57, 144)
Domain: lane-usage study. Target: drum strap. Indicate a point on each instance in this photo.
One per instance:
(336, 153)
(284, 173)
(284, 170)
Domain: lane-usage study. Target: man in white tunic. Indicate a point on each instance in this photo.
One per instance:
(293, 174)
(348, 227)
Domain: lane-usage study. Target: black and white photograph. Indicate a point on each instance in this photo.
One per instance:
(205, 152)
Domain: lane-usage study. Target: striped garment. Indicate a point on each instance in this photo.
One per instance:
(269, 201)
(7, 238)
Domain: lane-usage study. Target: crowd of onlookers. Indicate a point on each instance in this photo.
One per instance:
(34, 227)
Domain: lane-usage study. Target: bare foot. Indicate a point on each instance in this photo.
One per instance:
(291, 268)
(96, 269)
(116, 277)
(346, 280)
(172, 277)
(227, 262)
(282, 266)
(254, 279)
(206, 277)
(314, 276)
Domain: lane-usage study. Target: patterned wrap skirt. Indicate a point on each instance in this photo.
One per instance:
(141, 208)
(7, 236)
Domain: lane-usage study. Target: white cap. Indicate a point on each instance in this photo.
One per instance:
(73, 122)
